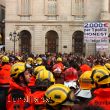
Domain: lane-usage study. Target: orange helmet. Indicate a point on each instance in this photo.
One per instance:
(85, 81)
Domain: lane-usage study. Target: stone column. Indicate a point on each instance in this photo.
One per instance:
(105, 10)
(105, 6)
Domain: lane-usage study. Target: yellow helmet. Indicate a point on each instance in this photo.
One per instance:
(45, 74)
(30, 60)
(59, 94)
(85, 81)
(100, 76)
(19, 58)
(39, 60)
(38, 69)
(107, 66)
(97, 67)
(5, 59)
(17, 69)
(59, 59)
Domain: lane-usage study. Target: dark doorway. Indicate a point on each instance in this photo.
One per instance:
(77, 40)
(25, 42)
(51, 41)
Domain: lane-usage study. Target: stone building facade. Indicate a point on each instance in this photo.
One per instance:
(53, 25)
(2, 23)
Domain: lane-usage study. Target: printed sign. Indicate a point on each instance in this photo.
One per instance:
(96, 32)
(101, 46)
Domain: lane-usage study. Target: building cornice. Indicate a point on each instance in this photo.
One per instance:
(105, 20)
(9, 21)
(2, 6)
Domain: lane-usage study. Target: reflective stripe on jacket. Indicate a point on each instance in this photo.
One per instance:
(19, 98)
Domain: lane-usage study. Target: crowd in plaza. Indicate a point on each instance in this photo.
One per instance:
(54, 81)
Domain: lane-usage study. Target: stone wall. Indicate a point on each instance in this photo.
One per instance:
(38, 24)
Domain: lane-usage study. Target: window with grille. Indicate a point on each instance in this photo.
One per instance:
(24, 7)
(51, 7)
(78, 8)
(2, 13)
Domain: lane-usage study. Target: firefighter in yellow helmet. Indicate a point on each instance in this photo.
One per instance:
(97, 67)
(59, 62)
(30, 61)
(39, 61)
(59, 59)
(107, 66)
(5, 68)
(44, 79)
(84, 94)
(29, 64)
(59, 97)
(17, 70)
(101, 78)
(5, 59)
(33, 77)
(19, 90)
(38, 69)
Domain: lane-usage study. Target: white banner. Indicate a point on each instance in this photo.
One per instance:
(96, 32)
(101, 46)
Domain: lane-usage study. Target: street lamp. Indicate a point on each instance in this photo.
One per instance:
(14, 36)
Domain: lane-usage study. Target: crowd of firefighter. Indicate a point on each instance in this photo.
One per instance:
(54, 82)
